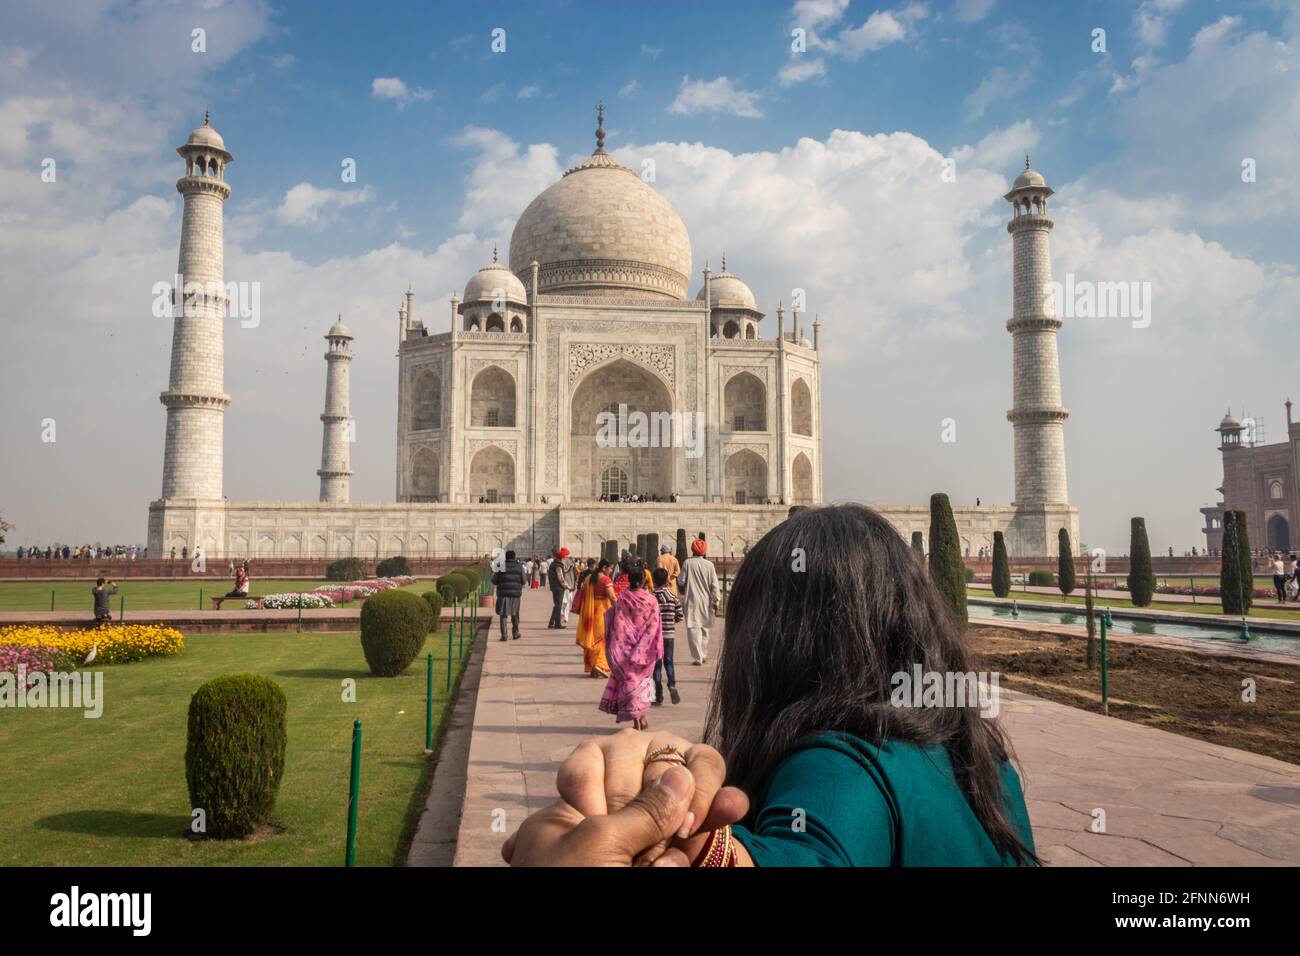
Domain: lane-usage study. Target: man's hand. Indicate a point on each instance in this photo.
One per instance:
(561, 836)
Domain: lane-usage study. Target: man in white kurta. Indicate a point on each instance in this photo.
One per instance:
(700, 597)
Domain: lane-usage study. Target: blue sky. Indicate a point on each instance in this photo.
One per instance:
(819, 170)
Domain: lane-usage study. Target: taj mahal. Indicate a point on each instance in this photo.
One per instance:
(590, 319)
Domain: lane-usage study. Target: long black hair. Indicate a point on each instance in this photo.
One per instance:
(824, 610)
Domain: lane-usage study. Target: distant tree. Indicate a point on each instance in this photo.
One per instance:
(682, 553)
(4, 526)
(651, 549)
(1001, 566)
(1236, 569)
(1064, 562)
(947, 570)
(918, 545)
(1141, 580)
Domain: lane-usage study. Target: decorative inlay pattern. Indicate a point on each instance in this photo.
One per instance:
(583, 355)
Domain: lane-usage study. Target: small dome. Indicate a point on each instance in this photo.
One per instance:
(206, 136)
(728, 291)
(1029, 177)
(338, 330)
(1229, 422)
(495, 281)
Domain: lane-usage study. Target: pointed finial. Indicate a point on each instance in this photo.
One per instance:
(1026, 160)
(724, 262)
(600, 126)
(205, 117)
(494, 253)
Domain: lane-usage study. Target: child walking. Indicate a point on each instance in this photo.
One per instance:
(670, 612)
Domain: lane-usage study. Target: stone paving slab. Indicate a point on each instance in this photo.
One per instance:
(1168, 800)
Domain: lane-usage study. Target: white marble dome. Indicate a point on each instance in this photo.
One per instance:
(485, 283)
(1029, 177)
(601, 231)
(728, 291)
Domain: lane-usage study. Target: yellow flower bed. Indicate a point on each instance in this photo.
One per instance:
(113, 644)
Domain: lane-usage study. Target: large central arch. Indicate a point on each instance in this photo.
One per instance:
(649, 469)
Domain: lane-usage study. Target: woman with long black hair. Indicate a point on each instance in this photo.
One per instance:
(824, 761)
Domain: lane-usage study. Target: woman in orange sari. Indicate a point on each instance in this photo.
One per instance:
(597, 596)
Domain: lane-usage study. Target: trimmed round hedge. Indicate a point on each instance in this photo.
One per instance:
(394, 625)
(234, 752)
(1041, 579)
(393, 567)
(434, 600)
(347, 569)
(457, 583)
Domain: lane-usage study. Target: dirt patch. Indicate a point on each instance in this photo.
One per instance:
(1196, 695)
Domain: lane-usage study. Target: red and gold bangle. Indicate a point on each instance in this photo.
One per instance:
(719, 850)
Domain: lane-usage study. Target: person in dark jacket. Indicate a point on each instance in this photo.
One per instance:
(555, 581)
(102, 591)
(509, 582)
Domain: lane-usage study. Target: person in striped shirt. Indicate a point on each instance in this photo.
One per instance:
(670, 612)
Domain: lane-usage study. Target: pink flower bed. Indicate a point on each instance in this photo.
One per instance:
(35, 658)
(354, 590)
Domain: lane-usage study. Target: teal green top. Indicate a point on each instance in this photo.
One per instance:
(894, 804)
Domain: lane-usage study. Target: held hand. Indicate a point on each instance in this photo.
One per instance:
(560, 836)
(602, 775)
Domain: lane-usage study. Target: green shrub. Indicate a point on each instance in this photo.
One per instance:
(1236, 577)
(393, 567)
(457, 583)
(347, 569)
(946, 566)
(1141, 581)
(1001, 566)
(393, 628)
(234, 752)
(968, 574)
(1040, 578)
(434, 600)
(1064, 562)
(651, 549)
(475, 574)
(918, 546)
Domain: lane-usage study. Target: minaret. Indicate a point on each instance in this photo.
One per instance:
(335, 470)
(195, 400)
(1037, 416)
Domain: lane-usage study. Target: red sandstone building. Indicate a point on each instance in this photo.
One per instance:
(1261, 480)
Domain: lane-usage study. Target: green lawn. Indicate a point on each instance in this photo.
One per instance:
(182, 595)
(111, 791)
(1204, 605)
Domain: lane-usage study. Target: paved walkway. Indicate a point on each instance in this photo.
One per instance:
(1168, 800)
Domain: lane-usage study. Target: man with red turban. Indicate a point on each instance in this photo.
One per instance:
(560, 579)
(701, 596)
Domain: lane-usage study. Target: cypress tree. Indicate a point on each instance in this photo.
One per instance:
(1247, 564)
(639, 549)
(947, 570)
(682, 554)
(918, 545)
(1236, 571)
(652, 550)
(1090, 615)
(1001, 566)
(1064, 562)
(1141, 581)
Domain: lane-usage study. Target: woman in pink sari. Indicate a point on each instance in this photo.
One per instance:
(634, 640)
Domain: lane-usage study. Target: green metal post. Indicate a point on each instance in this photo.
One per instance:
(200, 599)
(299, 612)
(121, 608)
(1105, 674)
(449, 630)
(428, 706)
(354, 783)
(51, 599)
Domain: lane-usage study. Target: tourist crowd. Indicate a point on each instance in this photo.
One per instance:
(86, 552)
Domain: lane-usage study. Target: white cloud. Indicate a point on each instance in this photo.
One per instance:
(528, 92)
(801, 69)
(1212, 35)
(628, 88)
(393, 88)
(282, 61)
(1000, 84)
(814, 13)
(971, 11)
(503, 178)
(308, 205)
(881, 29)
(650, 52)
(718, 95)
